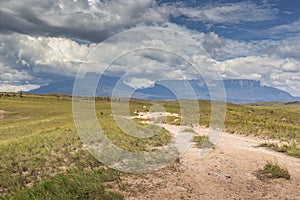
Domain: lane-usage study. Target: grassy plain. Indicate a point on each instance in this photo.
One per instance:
(42, 155)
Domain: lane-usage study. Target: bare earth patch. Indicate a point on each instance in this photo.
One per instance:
(2, 114)
(228, 172)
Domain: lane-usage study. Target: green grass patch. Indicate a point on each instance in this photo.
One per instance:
(289, 149)
(272, 122)
(202, 141)
(273, 171)
(190, 130)
(74, 184)
(173, 120)
(38, 139)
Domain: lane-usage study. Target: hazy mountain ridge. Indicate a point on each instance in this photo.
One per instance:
(239, 90)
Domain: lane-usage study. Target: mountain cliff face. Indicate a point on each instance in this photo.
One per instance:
(241, 83)
(236, 90)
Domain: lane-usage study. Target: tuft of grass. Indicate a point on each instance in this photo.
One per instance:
(173, 120)
(202, 141)
(189, 130)
(273, 171)
(289, 149)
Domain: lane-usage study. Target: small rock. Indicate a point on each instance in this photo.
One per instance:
(227, 176)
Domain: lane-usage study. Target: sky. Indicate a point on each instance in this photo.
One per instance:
(50, 40)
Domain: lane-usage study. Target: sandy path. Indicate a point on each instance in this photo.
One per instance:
(226, 173)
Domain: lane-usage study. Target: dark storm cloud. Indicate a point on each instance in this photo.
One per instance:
(86, 20)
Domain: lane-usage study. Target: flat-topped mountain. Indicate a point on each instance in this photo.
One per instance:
(238, 90)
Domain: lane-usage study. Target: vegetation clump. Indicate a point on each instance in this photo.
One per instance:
(202, 141)
(189, 130)
(273, 171)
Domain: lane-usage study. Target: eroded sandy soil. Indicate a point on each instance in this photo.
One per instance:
(228, 172)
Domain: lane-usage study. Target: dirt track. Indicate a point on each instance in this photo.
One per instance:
(228, 172)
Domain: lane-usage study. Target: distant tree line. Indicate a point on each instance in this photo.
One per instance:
(11, 94)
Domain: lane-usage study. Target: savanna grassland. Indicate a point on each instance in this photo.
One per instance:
(42, 156)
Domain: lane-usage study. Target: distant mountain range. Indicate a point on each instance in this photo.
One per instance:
(239, 91)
